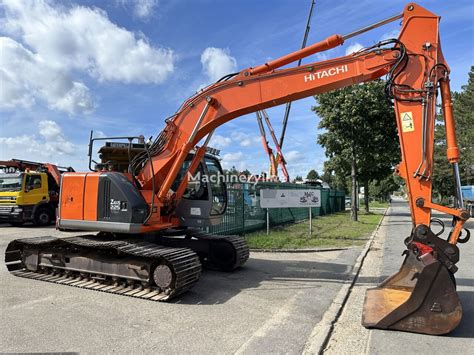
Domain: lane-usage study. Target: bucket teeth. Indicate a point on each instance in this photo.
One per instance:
(420, 298)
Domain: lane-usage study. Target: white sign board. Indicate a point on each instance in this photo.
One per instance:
(277, 198)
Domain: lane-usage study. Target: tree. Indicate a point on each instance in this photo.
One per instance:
(463, 106)
(298, 178)
(312, 175)
(327, 176)
(334, 180)
(231, 175)
(361, 137)
(246, 173)
(382, 189)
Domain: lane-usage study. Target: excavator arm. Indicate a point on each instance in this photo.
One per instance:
(415, 67)
(247, 93)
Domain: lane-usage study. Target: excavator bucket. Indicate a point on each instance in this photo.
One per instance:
(420, 298)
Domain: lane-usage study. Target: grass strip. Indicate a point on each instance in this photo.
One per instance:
(335, 230)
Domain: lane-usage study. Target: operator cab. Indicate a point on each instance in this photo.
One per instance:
(204, 201)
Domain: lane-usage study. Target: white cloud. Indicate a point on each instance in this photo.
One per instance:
(48, 146)
(293, 156)
(354, 47)
(233, 157)
(217, 62)
(26, 77)
(236, 159)
(77, 99)
(245, 139)
(321, 56)
(218, 141)
(49, 130)
(99, 134)
(389, 35)
(144, 8)
(55, 43)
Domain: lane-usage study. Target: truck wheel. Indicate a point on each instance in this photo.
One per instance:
(43, 217)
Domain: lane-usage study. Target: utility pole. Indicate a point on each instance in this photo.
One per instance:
(355, 195)
(303, 44)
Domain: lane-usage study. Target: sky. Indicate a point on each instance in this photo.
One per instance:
(120, 67)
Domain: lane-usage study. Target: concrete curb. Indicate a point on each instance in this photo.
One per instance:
(322, 331)
(313, 250)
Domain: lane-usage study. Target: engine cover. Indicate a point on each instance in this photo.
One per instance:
(119, 201)
(100, 201)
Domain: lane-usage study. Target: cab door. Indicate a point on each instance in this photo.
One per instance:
(36, 188)
(204, 201)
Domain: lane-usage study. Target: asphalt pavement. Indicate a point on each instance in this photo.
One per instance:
(276, 303)
(384, 259)
(271, 305)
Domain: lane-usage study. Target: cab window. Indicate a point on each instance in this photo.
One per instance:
(33, 181)
(219, 192)
(196, 188)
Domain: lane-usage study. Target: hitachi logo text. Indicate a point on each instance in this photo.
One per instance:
(324, 73)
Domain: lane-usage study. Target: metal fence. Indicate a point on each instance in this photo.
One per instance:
(245, 215)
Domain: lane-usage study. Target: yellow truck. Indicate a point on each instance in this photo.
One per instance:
(29, 192)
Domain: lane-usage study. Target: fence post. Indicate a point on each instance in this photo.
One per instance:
(243, 209)
(268, 222)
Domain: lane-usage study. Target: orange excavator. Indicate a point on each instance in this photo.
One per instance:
(148, 245)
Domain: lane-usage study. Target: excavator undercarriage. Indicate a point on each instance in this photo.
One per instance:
(155, 267)
(124, 266)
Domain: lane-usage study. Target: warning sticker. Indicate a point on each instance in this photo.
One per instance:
(407, 122)
(195, 211)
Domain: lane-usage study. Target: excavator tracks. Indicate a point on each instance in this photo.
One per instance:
(154, 270)
(221, 246)
(225, 253)
(120, 266)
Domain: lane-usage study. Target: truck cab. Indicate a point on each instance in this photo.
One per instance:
(468, 197)
(27, 197)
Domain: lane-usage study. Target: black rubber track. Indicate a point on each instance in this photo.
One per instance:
(185, 263)
(227, 252)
